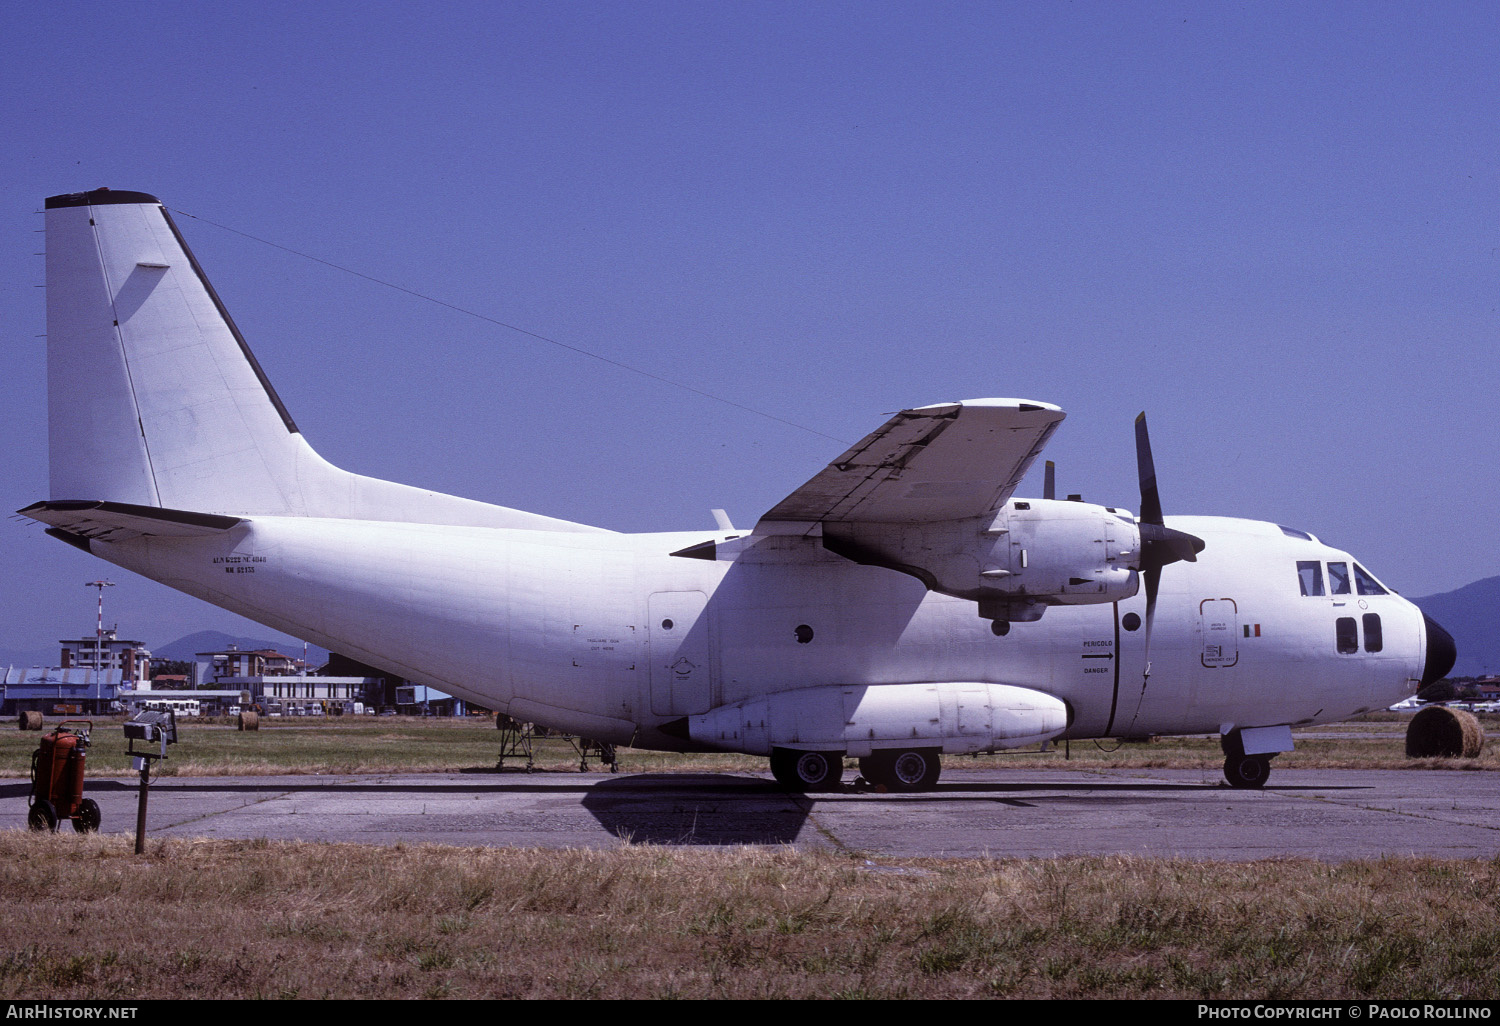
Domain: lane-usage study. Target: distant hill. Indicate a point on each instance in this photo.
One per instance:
(1472, 615)
(185, 649)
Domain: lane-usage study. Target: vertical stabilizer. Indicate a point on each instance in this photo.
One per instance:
(135, 333)
(154, 399)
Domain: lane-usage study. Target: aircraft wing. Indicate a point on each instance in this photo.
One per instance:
(929, 464)
(119, 521)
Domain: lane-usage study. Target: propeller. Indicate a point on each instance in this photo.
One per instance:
(1160, 544)
(1049, 483)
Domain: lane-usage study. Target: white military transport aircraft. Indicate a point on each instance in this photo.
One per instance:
(900, 605)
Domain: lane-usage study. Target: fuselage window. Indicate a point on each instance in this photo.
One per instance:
(1310, 576)
(1347, 634)
(1364, 583)
(1373, 639)
(1338, 578)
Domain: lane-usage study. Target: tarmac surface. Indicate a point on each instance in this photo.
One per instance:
(1330, 815)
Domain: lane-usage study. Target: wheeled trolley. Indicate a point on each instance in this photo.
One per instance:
(57, 772)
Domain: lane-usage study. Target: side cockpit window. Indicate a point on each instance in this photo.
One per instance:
(1340, 580)
(1366, 584)
(1310, 576)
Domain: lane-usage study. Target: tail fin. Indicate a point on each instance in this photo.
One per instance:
(154, 399)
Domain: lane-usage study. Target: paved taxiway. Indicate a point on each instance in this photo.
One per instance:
(1332, 815)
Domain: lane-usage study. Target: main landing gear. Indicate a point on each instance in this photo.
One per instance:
(911, 769)
(807, 771)
(896, 769)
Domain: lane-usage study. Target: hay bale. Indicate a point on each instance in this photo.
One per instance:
(31, 719)
(1441, 732)
(249, 721)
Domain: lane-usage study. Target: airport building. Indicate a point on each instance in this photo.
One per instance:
(279, 685)
(211, 667)
(109, 651)
(186, 702)
(57, 691)
(304, 695)
(94, 671)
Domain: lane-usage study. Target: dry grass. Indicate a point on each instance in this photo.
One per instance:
(87, 919)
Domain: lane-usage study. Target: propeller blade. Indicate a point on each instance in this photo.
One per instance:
(1153, 582)
(1049, 484)
(1160, 544)
(1146, 467)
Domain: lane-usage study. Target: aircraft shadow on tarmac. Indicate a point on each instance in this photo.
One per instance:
(669, 808)
(696, 809)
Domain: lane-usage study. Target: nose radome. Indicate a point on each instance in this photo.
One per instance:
(1442, 653)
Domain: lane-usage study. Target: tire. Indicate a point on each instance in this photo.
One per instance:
(87, 820)
(42, 816)
(807, 771)
(1247, 771)
(903, 769)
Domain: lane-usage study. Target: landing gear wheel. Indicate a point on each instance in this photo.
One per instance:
(1247, 770)
(807, 771)
(42, 815)
(911, 769)
(87, 820)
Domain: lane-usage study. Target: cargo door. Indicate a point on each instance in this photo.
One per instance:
(680, 653)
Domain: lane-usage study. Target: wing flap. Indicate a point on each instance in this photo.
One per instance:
(933, 463)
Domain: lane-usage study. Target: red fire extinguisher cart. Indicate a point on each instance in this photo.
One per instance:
(57, 780)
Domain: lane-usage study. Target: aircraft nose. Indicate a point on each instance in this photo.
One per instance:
(1442, 653)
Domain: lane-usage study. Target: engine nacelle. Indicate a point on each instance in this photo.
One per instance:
(1061, 553)
(1030, 554)
(859, 720)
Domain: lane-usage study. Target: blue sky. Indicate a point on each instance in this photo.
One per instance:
(1272, 226)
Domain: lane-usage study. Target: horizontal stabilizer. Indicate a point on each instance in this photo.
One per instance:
(121, 521)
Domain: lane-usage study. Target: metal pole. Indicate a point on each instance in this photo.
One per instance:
(99, 639)
(140, 808)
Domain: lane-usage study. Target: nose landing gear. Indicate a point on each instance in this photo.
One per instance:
(1247, 770)
(1241, 770)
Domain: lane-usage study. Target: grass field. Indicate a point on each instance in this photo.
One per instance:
(414, 745)
(88, 919)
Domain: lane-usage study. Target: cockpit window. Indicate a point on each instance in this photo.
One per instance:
(1338, 579)
(1365, 584)
(1310, 576)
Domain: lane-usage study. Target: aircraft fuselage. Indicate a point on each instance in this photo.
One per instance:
(610, 636)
